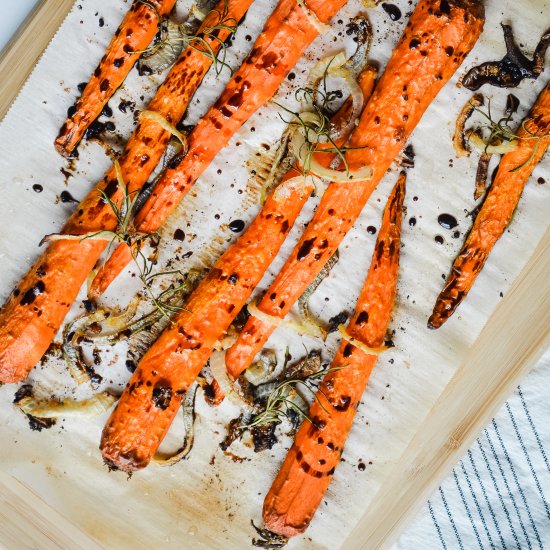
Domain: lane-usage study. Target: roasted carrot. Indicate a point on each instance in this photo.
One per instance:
(495, 214)
(437, 38)
(138, 424)
(286, 34)
(35, 310)
(134, 34)
(309, 466)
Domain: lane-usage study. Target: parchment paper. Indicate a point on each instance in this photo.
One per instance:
(208, 500)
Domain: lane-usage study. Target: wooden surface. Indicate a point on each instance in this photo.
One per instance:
(502, 354)
(28, 522)
(19, 57)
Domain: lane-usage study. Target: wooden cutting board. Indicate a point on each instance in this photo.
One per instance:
(492, 370)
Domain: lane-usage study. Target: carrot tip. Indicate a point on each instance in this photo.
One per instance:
(436, 320)
(276, 524)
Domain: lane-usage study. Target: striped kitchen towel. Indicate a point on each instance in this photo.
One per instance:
(498, 495)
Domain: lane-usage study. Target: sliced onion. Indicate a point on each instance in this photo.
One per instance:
(262, 370)
(321, 28)
(334, 65)
(300, 150)
(94, 406)
(188, 411)
(358, 344)
(165, 53)
(303, 327)
(506, 147)
(357, 99)
(98, 236)
(219, 372)
(153, 115)
(324, 65)
(459, 136)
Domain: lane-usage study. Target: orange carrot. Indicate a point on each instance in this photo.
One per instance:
(309, 466)
(134, 34)
(514, 170)
(437, 38)
(138, 424)
(286, 34)
(37, 307)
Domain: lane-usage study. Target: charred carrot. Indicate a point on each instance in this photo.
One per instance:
(513, 172)
(437, 38)
(309, 466)
(134, 34)
(33, 313)
(287, 32)
(139, 422)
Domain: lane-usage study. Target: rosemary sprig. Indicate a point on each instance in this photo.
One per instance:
(501, 130)
(315, 124)
(125, 232)
(280, 401)
(316, 130)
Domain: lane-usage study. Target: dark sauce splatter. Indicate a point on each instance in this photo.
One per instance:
(447, 221)
(131, 365)
(89, 305)
(305, 249)
(541, 181)
(32, 293)
(65, 173)
(439, 239)
(512, 104)
(337, 320)
(67, 197)
(107, 111)
(98, 128)
(162, 395)
(393, 11)
(179, 235)
(101, 21)
(82, 86)
(512, 68)
(37, 188)
(236, 226)
(371, 230)
(408, 157)
(126, 105)
(412, 221)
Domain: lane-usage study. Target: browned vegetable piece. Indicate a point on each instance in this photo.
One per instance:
(432, 47)
(35, 310)
(460, 140)
(136, 427)
(286, 34)
(512, 68)
(496, 212)
(134, 34)
(309, 466)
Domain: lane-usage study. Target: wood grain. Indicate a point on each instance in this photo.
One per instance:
(21, 54)
(502, 354)
(28, 522)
